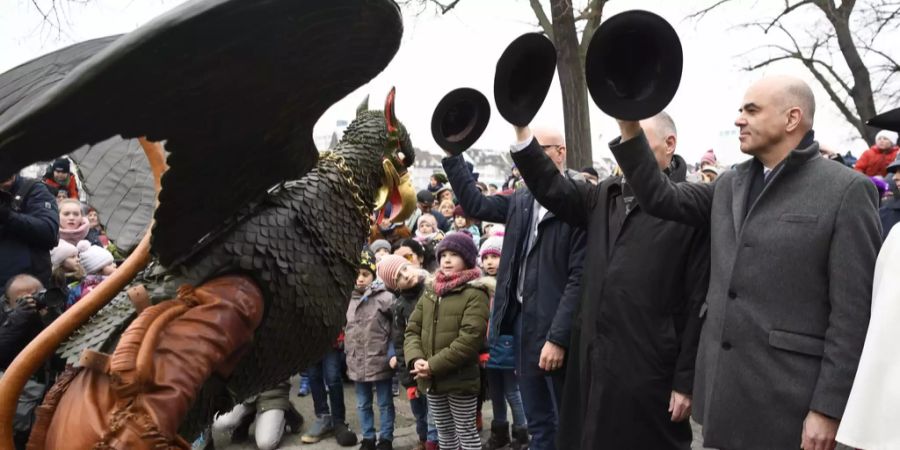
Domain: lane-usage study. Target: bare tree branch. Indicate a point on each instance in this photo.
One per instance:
(788, 8)
(542, 18)
(703, 12)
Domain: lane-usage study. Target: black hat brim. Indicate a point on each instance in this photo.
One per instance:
(628, 44)
(459, 119)
(886, 121)
(523, 77)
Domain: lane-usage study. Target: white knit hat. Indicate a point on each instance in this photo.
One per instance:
(890, 135)
(62, 252)
(492, 245)
(93, 258)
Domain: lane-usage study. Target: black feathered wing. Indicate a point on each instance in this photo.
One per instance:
(233, 87)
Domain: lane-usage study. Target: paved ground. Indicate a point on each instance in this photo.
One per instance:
(404, 430)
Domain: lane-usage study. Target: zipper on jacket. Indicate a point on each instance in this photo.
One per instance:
(437, 305)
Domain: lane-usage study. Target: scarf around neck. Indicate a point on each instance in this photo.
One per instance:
(444, 283)
(73, 236)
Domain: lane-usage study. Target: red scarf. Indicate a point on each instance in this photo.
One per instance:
(444, 283)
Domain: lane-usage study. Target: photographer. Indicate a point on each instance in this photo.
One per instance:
(29, 228)
(27, 309)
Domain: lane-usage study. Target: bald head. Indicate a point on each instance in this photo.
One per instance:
(775, 115)
(553, 143)
(662, 136)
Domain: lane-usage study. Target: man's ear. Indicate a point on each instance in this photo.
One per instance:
(794, 118)
(671, 142)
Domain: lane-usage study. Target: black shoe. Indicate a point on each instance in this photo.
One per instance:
(384, 445)
(499, 436)
(343, 435)
(519, 438)
(367, 444)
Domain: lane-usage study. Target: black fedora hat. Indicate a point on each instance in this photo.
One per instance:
(886, 121)
(633, 65)
(459, 119)
(523, 76)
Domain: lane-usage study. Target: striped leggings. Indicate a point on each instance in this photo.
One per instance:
(454, 417)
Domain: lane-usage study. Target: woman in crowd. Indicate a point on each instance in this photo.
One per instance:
(73, 226)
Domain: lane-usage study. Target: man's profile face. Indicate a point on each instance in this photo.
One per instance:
(761, 122)
(60, 176)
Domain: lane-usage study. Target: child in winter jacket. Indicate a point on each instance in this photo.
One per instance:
(501, 374)
(367, 338)
(407, 282)
(462, 222)
(443, 339)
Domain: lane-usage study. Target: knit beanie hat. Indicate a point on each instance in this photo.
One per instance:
(458, 211)
(62, 165)
(380, 244)
(93, 258)
(367, 261)
(61, 252)
(388, 269)
(890, 135)
(462, 244)
(491, 246)
(708, 158)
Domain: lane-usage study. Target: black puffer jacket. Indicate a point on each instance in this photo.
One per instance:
(29, 228)
(17, 328)
(403, 308)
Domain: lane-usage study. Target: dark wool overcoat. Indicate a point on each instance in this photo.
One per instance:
(634, 339)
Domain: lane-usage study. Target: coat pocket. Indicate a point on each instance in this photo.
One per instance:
(799, 343)
(799, 218)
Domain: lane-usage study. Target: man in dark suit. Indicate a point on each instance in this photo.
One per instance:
(538, 285)
(634, 340)
(794, 241)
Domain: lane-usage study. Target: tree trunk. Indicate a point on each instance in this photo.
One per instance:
(574, 88)
(861, 94)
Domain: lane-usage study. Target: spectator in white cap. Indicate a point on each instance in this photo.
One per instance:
(95, 259)
(875, 160)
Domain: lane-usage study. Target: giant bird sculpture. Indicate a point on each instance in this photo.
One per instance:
(259, 233)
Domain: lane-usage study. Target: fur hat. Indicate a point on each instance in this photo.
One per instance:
(61, 252)
(367, 261)
(462, 244)
(380, 244)
(93, 258)
(388, 269)
(491, 246)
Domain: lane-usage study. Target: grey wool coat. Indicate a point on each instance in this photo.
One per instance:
(790, 289)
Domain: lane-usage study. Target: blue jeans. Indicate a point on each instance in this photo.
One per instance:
(425, 428)
(504, 388)
(328, 371)
(385, 409)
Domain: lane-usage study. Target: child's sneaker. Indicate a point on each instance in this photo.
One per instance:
(322, 428)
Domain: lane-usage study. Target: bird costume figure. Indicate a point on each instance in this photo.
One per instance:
(257, 278)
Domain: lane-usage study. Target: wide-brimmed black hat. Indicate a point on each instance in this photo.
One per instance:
(633, 65)
(886, 121)
(523, 76)
(459, 119)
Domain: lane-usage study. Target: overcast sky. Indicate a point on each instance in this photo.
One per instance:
(441, 53)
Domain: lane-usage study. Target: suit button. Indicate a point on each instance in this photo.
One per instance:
(726, 345)
(732, 295)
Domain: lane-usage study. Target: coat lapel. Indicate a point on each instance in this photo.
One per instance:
(740, 189)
